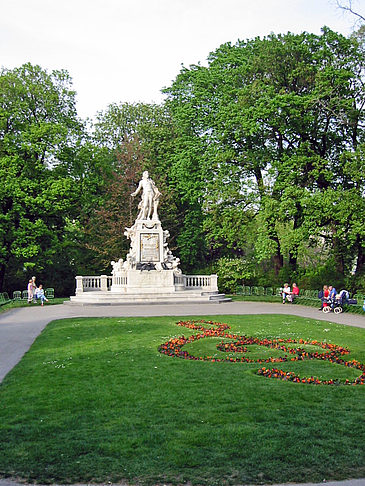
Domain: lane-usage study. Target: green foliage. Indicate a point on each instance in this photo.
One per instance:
(356, 283)
(325, 274)
(265, 131)
(38, 128)
(259, 155)
(104, 225)
(232, 272)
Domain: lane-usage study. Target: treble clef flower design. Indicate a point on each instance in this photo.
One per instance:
(292, 349)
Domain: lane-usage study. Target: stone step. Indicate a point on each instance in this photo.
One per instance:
(219, 298)
(108, 298)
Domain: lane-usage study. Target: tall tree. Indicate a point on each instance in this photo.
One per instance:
(38, 129)
(265, 125)
(105, 224)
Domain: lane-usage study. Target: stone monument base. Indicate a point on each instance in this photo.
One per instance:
(107, 298)
(145, 282)
(147, 287)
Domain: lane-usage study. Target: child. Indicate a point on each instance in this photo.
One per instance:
(40, 294)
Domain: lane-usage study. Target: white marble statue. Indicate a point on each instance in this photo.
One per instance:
(117, 266)
(150, 198)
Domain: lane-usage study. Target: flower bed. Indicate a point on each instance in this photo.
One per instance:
(332, 352)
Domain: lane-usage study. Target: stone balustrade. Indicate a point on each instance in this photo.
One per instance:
(204, 282)
(89, 284)
(181, 281)
(201, 281)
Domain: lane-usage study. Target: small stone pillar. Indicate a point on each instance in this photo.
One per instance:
(79, 286)
(104, 283)
(214, 282)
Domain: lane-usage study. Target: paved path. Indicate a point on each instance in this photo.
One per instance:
(20, 327)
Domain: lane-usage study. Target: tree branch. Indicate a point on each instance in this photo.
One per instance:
(349, 8)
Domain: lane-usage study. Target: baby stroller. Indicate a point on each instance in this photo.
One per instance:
(337, 302)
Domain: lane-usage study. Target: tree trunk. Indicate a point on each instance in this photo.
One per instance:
(338, 256)
(298, 221)
(277, 258)
(2, 275)
(360, 263)
(293, 261)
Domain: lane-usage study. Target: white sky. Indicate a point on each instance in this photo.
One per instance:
(128, 50)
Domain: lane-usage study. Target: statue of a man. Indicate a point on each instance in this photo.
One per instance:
(150, 198)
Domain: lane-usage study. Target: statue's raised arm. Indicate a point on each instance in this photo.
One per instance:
(137, 190)
(150, 198)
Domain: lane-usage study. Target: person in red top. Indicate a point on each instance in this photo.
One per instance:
(326, 294)
(295, 291)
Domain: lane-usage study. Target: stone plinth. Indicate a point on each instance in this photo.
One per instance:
(143, 286)
(146, 282)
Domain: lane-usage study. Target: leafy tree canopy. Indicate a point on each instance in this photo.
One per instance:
(265, 128)
(38, 130)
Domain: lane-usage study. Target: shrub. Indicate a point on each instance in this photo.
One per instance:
(232, 272)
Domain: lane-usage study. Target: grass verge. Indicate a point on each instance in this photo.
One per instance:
(94, 401)
(21, 303)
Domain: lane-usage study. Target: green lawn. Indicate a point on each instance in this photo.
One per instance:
(94, 401)
(23, 303)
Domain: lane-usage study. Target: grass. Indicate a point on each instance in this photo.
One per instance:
(256, 298)
(94, 401)
(23, 303)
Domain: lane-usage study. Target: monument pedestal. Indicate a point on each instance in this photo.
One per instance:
(146, 282)
(147, 287)
(150, 267)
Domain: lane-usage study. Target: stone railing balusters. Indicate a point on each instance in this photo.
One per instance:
(103, 283)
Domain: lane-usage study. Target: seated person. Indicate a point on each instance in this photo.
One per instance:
(286, 293)
(39, 293)
(295, 291)
(332, 291)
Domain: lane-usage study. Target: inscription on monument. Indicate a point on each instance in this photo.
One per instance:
(150, 249)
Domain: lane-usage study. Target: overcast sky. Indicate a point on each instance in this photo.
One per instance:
(128, 50)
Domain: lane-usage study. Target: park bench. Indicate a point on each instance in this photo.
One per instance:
(49, 293)
(4, 298)
(307, 297)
